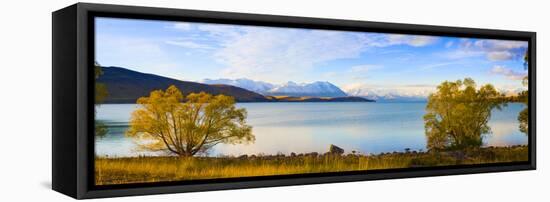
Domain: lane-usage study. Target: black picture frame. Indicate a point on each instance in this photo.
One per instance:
(73, 93)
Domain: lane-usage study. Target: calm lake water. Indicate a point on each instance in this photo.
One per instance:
(312, 127)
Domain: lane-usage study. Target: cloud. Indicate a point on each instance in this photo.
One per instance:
(511, 89)
(500, 45)
(137, 53)
(499, 55)
(460, 54)
(222, 32)
(500, 50)
(507, 72)
(269, 54)
(435, 65)
(205, 35)
(182, 26)
(493, 50)
(276, 54)
(385, 40)
(411, 40)
(189, 44)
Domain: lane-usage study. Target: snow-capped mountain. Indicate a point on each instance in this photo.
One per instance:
(315, 89)
(251, 85)
(406, 92)
(391, 93)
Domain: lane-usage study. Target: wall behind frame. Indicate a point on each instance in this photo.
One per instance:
(26, 78)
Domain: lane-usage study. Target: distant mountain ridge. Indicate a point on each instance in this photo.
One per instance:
(315, 89)
(251, 85)
(318, 99)
(392, 94)
(126, 86)
(406, 93)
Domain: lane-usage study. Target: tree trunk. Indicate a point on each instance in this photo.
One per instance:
(185, 154)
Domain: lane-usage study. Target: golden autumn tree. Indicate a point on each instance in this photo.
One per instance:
(185, 126)
(457, 115)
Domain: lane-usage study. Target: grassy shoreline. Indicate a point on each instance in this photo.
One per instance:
(155, 169)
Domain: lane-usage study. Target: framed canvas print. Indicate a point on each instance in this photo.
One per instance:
(154, 100)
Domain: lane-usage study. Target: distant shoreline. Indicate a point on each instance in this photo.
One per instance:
(373, 101)
(261, 154)
(274, 99)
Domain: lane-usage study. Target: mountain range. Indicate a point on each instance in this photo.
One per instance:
(397, 93)
(251, 85)
(315, 89)
(406, 93)
(392, 94)
(324, 89)
(126, 86)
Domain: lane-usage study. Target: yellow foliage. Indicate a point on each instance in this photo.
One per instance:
(185, 126)
(457, 115)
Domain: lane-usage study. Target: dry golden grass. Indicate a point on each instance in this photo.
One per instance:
(156, 169)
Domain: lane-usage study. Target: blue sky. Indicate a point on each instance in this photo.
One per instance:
(350, 60)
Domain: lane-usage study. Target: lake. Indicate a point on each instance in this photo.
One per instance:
(311, 127)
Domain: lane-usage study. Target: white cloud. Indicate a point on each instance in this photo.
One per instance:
(499, 50)
(510, 90)
(418, 41)
(499, 55)
(278, 54)
(183, 26)
(189, 44)
(411, 40)
(493, 50)
(500, 45)
(435, 65)
(140, 54)
(385, 40)
(459, 54)
(508, 73)
(222, 32)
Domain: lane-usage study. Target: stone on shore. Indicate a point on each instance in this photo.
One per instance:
(333, 149)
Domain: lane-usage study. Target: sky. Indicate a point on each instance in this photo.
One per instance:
(350, 60)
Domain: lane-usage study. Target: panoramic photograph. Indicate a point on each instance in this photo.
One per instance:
(188, 101)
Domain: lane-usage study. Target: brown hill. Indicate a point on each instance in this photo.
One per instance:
(126, 86)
